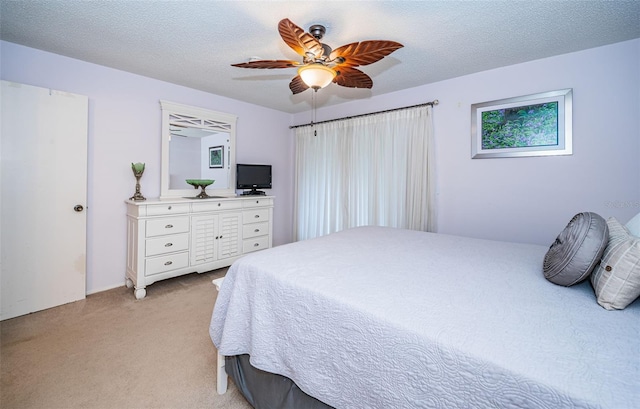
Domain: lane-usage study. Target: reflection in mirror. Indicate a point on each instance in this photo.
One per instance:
(196, 144)
(198, 154)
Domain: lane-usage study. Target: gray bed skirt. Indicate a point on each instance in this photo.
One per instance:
(265, 390)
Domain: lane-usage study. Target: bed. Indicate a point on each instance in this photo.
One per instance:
(376, 317)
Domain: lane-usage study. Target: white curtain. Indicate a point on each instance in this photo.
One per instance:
(369, 170)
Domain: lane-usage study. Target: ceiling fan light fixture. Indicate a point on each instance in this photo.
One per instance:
(316, 76)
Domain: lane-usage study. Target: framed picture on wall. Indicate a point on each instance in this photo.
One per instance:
(216, 157)
(530, 125)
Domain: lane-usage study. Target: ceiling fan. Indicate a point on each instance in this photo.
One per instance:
(320, 64)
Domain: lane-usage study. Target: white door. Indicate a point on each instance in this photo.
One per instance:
(43, 173)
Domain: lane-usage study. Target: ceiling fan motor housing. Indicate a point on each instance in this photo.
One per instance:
(317, 31)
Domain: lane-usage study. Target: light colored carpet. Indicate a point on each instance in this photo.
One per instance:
(113, 351)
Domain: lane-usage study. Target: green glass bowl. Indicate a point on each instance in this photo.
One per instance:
(196, 183)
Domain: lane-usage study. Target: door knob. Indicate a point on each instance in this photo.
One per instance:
(78, 208)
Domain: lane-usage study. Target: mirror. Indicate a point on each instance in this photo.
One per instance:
(197, 143)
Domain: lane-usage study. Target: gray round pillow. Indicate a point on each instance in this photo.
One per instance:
(577, 249)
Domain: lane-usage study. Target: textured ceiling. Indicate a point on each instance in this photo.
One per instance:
(193, 43)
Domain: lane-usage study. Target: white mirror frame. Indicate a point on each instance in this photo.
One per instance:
(193, 117)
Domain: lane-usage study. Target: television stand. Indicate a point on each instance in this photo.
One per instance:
(253, 192)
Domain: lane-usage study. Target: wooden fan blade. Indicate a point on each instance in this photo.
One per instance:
(300, 41)
(297, 85)
(268, 64)
(352, 78)
(365, 52)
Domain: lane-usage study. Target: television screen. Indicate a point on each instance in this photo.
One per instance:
(253, 177)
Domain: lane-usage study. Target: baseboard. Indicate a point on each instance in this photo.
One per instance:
(105, 289)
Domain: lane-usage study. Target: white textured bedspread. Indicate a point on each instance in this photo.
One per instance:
(377, 317)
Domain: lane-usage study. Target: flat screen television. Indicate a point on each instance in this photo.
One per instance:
(253, 177)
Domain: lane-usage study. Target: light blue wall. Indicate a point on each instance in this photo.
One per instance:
(124, 127)
(531, 199)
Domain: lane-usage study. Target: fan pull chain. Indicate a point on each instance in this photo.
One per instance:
(313, 109)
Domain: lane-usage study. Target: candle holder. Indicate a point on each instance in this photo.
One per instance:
(138, 170)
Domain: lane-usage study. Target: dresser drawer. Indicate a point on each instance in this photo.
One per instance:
(166, 244)
(168, 209)
(255, 229)
(254, 244)
(257, 202)
(213, 205)
(157, 265)
(255, 216)
(167, 225)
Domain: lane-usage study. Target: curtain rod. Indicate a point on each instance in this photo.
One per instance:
(432, 103)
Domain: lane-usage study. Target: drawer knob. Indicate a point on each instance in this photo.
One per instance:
(169, 208)
(168, 263)
(256, 230)
(257, 216)
(168, 245)
(256, 244)
(219, 204)
(169, 226)
(257, 201)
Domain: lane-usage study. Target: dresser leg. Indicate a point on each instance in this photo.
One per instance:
(140, 293)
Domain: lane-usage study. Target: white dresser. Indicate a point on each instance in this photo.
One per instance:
(171, 237)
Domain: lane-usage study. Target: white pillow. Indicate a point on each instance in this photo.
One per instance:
(633, 225)
(616, 280)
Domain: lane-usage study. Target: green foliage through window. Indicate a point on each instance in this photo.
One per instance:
(531, 125)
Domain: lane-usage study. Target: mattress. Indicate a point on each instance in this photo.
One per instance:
(376, 317)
